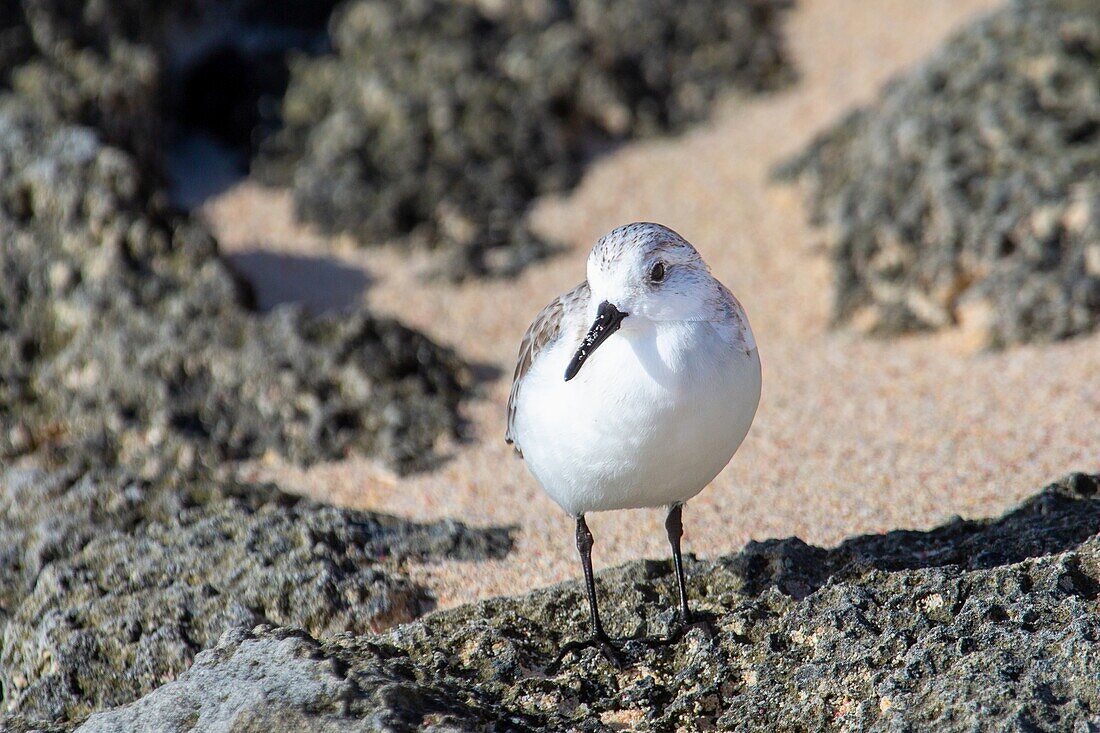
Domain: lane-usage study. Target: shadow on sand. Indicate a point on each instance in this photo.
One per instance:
(319, 284)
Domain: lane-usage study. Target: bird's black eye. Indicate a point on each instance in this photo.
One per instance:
(657, 273)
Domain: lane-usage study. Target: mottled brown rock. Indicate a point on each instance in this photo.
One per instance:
(439, 122)
(120, 320)
(111, 584)
(988, 624)
(967, 194)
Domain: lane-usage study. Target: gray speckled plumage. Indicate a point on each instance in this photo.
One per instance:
(654, 238)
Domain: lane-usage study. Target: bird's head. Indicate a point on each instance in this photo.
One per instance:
(644, 273)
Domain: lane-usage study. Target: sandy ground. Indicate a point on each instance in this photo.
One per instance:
(853, 435)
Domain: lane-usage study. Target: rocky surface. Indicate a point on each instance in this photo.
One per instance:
(135, 375)
(141, 73)
(441, 121)
(112, 584)
(88, 62)
(974, 625)
(121, 322)
(968, 191)
(50, 513)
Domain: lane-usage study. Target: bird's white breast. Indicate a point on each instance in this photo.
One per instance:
(653, 416)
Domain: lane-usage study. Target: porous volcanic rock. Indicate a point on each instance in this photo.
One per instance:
(50, 512)
(441, 121)
(974, 625)
(968, 192)
(142, 72)
(89, 63)
(119, 582)
(119, 319)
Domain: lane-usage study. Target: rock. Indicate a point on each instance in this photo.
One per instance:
(467, 113)
(48, 515)
(118, 67)
(134, 376)
(974, 625)
(85, 62)
(967, 192)
(124, 581)
(143, 73)
(440, 122)
(120, 319)
(219, 691)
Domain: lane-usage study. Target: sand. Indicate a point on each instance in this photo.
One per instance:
(853, 435)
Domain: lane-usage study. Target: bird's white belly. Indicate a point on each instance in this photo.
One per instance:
(650, 419)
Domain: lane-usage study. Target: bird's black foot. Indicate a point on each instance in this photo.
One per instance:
(601, 643)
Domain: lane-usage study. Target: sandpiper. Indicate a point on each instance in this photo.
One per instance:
(634, 389)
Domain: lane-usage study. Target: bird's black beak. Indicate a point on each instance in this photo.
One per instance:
(608, 320)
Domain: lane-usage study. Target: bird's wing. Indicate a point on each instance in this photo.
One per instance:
(542, 332)
(737, 322)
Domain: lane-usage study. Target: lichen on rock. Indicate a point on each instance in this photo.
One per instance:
(112, 584)
(975, 624)
(141, 73)
(134, 377)
(120, 319)
(440, 122)
(967, 193)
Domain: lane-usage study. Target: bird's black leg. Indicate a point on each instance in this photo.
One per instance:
(584, 546)
(674, 526)
(599, 637)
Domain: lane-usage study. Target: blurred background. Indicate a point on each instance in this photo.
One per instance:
(253, 249)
